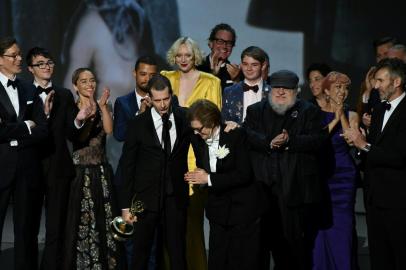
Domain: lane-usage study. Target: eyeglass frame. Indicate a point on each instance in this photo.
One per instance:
(14, 56)
(227, 43)
(50, 64)
(198, 130)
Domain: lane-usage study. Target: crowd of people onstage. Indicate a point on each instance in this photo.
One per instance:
(276, 175)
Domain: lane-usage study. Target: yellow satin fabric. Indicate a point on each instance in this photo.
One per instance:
(207, 87)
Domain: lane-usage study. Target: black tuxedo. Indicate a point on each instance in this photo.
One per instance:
(58, 171)
(289, 175)
(20, 170)
(385, 184)
(234, 204)
(143, 165)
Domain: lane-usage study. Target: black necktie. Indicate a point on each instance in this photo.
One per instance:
(386, 105)
(166, 138)
(41, 89)
(12, 83)
(247, 87)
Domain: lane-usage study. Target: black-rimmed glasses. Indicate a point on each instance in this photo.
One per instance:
(14, 56)
(198, 130)
(43, 65)
(228, 43)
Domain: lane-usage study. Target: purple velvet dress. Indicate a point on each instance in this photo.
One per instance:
(333, 249)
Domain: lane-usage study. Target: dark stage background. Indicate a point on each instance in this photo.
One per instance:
(109, 35)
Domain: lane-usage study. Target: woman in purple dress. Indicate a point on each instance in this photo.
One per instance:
(333, 249)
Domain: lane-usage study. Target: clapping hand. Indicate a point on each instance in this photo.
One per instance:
(366, 120)
(355, 136)
(104, 98)
(233, 70)
(216, 62)
(49, 100)
(280, 139)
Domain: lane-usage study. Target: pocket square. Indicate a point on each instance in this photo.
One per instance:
(29, 102)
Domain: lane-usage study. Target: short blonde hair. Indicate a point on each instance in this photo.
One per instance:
(190, 44)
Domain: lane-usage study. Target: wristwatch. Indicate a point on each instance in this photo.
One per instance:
(367, 148)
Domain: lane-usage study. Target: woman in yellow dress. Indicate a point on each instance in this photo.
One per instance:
(189, 85)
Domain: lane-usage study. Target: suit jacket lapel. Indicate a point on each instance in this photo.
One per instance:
(222, 141)
(151, 128)
(133, 104)
(6, 102)
(239, 101)
(391, 119)
(179, 128)
(22, 101)
(265, 90)
(204, 148)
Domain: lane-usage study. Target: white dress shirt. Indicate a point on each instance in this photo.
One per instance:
(213, 145)
(157, 119)
(11, 92)
(393, 104)
(250, 97)
(13, 96)
(43, 95)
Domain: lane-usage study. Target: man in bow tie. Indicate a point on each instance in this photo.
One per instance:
(238, 97)
(384, 152)
(22, 128)
(284, 134)
(57, 167)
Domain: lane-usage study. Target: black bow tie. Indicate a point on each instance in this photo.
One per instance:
(41, 89)
(386, 105)
(12, 83)
(247, 87)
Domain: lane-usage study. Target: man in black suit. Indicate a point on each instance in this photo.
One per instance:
(57, 165)
(153, 163)
(221, 42)
(284, 134)
(384, 149)
(234, 203)
(126, 108)
(22, 127)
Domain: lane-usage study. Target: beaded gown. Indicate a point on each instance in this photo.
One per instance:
(89, 240)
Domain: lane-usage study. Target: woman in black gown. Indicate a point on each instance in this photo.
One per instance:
(89, 241)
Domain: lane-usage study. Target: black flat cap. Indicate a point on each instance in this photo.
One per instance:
(284, 78)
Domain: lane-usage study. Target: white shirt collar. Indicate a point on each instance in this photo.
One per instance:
(215, 138)
(36, 84)
(260, 84)
(157, 117)
(394, 103)
(4, 79)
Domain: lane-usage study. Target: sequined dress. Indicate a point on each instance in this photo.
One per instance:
(89, 241)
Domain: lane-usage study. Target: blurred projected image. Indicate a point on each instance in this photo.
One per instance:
(109, 35)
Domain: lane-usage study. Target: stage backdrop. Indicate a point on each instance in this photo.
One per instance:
(109, 35)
